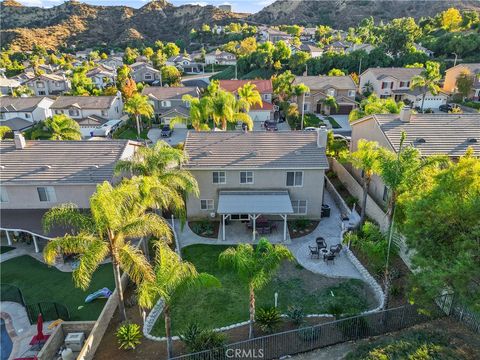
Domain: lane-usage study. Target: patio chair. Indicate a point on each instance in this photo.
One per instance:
(321, 244)
(329, 257)
(314, 252)
(335, 249)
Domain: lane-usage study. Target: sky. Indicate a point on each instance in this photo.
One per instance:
(250, 6)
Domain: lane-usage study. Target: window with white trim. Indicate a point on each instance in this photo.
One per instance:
(206, 204)
(351, 93)
(331, 92)
(104, 112)
(295, 178)
(219, 177)
(166, 103)
(148, 76)
(299, 207)
(27, 116)
(3, 195)
(58, 112)
(40, 84)
(46, 194)
(246, 177)
(73, 112)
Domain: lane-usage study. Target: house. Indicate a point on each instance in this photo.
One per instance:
(144, 72)
(414, 98)
(102, 76)
(432, 134)
(357, 47)
(451, 75)
(420, 48)
(264, 87)
(308, 34)
(83, 54)
(8, 85)
(20, 113)
(312, 49)
(89, 111)
(242, 175)
(113, 62)
(220, 57)
(338, 46)
(185, 64)
(274, 35)
(49, 84)
(38, 175)
(342, 88)
(168, 104)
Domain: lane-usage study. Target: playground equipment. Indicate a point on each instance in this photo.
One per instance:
(102, 293)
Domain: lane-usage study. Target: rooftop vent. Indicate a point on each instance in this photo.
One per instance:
(46, 167)
(420, 140)
(472, 140)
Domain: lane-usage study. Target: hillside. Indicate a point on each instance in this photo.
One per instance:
(83, 25)
(342, 14)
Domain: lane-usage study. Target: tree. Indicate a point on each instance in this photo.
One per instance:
(451, 19)
(173, 277)
(247, 46)
(281, 52)
(428, 80)
(3, 131)
(336, 72)
(137, 106)
(116, 215)
(171, 49)
(374, 105)
(171, 75)
(441, 226)
(225, 108)
(129, 88)
(365, 158)
(331, 102)
(81, 84)
(130, 55)
(22, 90)
(57, 127)
(282, 85)
(255, 267)
(249, 96)
(400, 34)
(464, 84)
(298, 61)
(301, 90)
(148, 52)
(199, 112)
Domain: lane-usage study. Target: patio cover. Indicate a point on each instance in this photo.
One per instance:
(254, 202)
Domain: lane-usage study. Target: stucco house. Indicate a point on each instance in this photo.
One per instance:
(274, 35)
(342, 88)
(220, 57)
(49, 84)
(144, 72)
(8, 85)
(102, 76)
(309, 48)
(451, 75)
(242, 175)
(185, 64)
(432, 134)
(20, 113)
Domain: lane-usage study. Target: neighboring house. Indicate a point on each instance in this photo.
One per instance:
(274, 35)
(8, 85)
(420, 48)
(20, 113)
(242, 175)
(311, 49)
(220, 57)
(451, 75)
(185, 64)
(45, 68)
(102, 76)
(364, 47)
(264, 87)
(144, 72)
(168, 103)
(338, 46)
(83, 54)
(113, 62)
(49, 84)
(342, 88)
(414, 98)
(384, 81)
(308, 34)
(432, 134)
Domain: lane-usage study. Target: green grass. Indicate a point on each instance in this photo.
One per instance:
(216, 307)
(333, 122)
(39, 282)
(4, 249)
(131, 134)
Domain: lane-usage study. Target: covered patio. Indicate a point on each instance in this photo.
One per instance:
(254, 208)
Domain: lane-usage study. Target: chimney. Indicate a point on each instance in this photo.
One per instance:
(322, 137)
(405, 114)
(19, 141)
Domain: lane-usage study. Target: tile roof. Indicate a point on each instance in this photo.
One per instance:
(5, 82)
(17, 124)
(83, 102)
(323, 81)
(448, 134)
(263, 86)
(165, 93)
(45, 161)
(254, 150)
(16, 104)
(473, 67)
(399, 73)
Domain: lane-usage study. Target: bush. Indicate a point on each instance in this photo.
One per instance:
(197, 339)
(268, 318)
(309, 333)
(295, 314)
(301, 224)
(203, 227)
(335, 309)
(128, 336)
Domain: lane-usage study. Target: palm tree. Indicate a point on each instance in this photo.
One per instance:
(331, 102)
(249, 96)
(365, 159)
(199, 112)
(301, 89)
(3, 131)
(173, 277)
(116, 215)
(58, 127)
(138, 106)
(428, 80)
(255, 266)
(225, 108)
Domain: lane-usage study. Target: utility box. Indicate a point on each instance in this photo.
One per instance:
(75, 341)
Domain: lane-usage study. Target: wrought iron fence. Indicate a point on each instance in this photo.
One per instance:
(318, 336)
(450, 304)
(11, 293)
(50, 311)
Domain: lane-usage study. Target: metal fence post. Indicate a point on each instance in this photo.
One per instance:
(402, 318)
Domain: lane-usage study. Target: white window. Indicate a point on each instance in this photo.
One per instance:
(104, 112)
(27, 116)
(148, 77)
(246, 177)
(299, 207)
(40, 84)
(41, 93)
(265, 96)
(58, 83)
(219, 177)
(3, 195)
(206, 204)
(331, 92)
(295, 178)
(73, 112)
(166, 103)
(46, 194)
(58, 112)
(305, 107)
(351, 93)
(307, 94)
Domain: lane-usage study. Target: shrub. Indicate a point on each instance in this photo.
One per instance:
(128, 336)
(296, 314)
(309, 333)
(301, 224)
(335, 309)
(197, 339)
(203, 227)
(268, 318)
(395, 290)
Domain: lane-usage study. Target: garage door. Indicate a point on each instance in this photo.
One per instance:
(432, 102)
(342, 110)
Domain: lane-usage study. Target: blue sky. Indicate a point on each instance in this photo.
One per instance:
(238, 5)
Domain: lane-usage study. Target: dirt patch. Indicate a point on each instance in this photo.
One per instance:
(295, 232)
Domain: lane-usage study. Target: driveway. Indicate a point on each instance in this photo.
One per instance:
(178, 136)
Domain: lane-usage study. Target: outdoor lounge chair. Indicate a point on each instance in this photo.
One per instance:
(335, 249)
(314, 252)
(321, 244)
(329, 257)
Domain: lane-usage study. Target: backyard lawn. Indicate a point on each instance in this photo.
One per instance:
(131, 134)
(216, 307)
(39, 282)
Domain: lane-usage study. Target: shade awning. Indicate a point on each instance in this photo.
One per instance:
(254, 202)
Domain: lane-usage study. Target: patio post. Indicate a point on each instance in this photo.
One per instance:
(285, 227)
(254, 227)
(9, 240)
(223, 227)
(35, 243)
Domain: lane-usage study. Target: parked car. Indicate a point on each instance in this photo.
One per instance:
(447, 107)
(342, 137)
(270, 126)
(310, 128)
(166, 131)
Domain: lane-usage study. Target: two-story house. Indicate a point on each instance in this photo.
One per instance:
(274, 35)
(472, 70)
(309, 48)
(38, 175)
(102, 76)
(220, 57)
(8, 85)
(432, 134)
(342, 88)
(168, 103)
(144, 72)
(20, 113)
(264, 87)
(49, 84)
(244, 175)
(114, 61)
(185, 64)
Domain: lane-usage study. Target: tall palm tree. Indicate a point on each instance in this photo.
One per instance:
(138, 106)
(428, 80)
(249, 96)
(331, 102)
(255, 266)
(116, 215)
(199, 112)
(172, 278)
(366, 160)
(301, 90)
(225, 108)
(58, 127)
